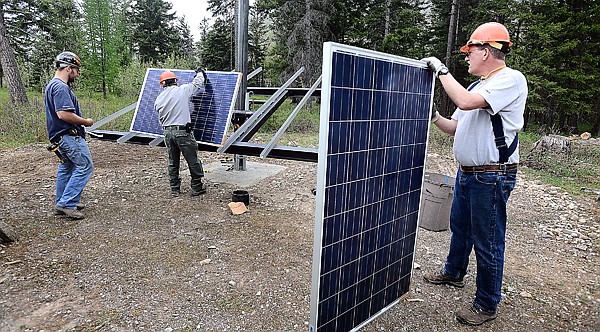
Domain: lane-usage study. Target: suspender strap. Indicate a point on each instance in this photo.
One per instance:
(504, 151)
(473, 85)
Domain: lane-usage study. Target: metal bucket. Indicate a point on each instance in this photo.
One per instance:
(436, 201)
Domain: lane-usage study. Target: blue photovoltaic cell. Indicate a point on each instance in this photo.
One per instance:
(210, 111)
(375, 112)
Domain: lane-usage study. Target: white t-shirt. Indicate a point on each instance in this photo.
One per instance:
(506, 93)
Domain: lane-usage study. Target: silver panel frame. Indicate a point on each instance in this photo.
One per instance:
(230, 111)
(328, 50)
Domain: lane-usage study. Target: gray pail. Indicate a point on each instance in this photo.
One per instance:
(436, 200)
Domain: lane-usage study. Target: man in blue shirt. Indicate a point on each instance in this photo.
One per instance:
(65, 123)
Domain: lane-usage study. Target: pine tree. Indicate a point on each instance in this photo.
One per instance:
(154, 36)
(104, 42)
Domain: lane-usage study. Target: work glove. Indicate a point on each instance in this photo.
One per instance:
(435, 115)
(436, 65)
(201, 71)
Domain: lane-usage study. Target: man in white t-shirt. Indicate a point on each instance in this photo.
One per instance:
(485, 127)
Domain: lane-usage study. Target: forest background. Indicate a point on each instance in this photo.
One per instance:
(555, 44)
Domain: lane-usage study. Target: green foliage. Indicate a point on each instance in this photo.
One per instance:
(130, 79)
(299, 30)
(23, 125)
(407, 34)
(218, 46)
(184, 41)
(555, 43)
(38, 31)
(154, 35)
(306, 120)
(560, 47)
(571, 171)
(258, 39)
(105, 49)
(275, 64)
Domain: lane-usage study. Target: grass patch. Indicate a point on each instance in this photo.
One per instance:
(305, 121)
(571, 171)
(27, 124)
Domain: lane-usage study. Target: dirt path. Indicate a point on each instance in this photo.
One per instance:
(138, 261)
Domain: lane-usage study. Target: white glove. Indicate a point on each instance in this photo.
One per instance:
(435, 116)
(436, 65)
(198, 80)
(201, 71)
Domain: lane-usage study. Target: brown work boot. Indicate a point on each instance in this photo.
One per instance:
(474, 316)
(72, 213)
(79, 206)
(439, 278)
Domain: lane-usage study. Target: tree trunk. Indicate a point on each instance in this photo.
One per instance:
(16, 89)
(388, 5)
(573, 124)
(596, 126)
(445, 101)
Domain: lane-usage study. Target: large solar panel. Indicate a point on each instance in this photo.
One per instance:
(375, 111)
(210, 111)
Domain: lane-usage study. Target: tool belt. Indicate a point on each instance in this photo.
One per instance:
(488, 168)
(187, 127)
(70, 132)
(54, 148)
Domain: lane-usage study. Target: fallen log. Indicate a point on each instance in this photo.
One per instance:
(552, 143)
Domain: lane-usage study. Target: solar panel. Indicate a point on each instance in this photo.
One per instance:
(375, 111)
(210, 111)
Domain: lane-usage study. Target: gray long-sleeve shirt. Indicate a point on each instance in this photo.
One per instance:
(173, 103)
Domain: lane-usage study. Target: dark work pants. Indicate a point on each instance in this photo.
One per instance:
(181, 142)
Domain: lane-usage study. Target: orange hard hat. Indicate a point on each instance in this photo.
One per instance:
(493, 34)
(167, 74)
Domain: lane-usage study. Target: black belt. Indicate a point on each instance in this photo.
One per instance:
(175, 127)
(488, 168)
(70, 132)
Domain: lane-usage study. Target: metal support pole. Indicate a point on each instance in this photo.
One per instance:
(241, 65)
(241, 50)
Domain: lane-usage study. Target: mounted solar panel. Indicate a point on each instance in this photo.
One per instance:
(375, 111)
(210, 111)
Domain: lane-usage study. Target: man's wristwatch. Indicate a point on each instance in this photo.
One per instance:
(443, 70)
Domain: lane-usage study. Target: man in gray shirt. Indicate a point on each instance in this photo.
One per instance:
(485, 127)
(173, 107)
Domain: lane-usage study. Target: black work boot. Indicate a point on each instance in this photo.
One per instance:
(197, 192)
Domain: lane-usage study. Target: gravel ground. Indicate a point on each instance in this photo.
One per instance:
(142, 261)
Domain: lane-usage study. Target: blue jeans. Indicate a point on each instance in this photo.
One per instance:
(478, 220)
(181, 142)
(74, 172)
